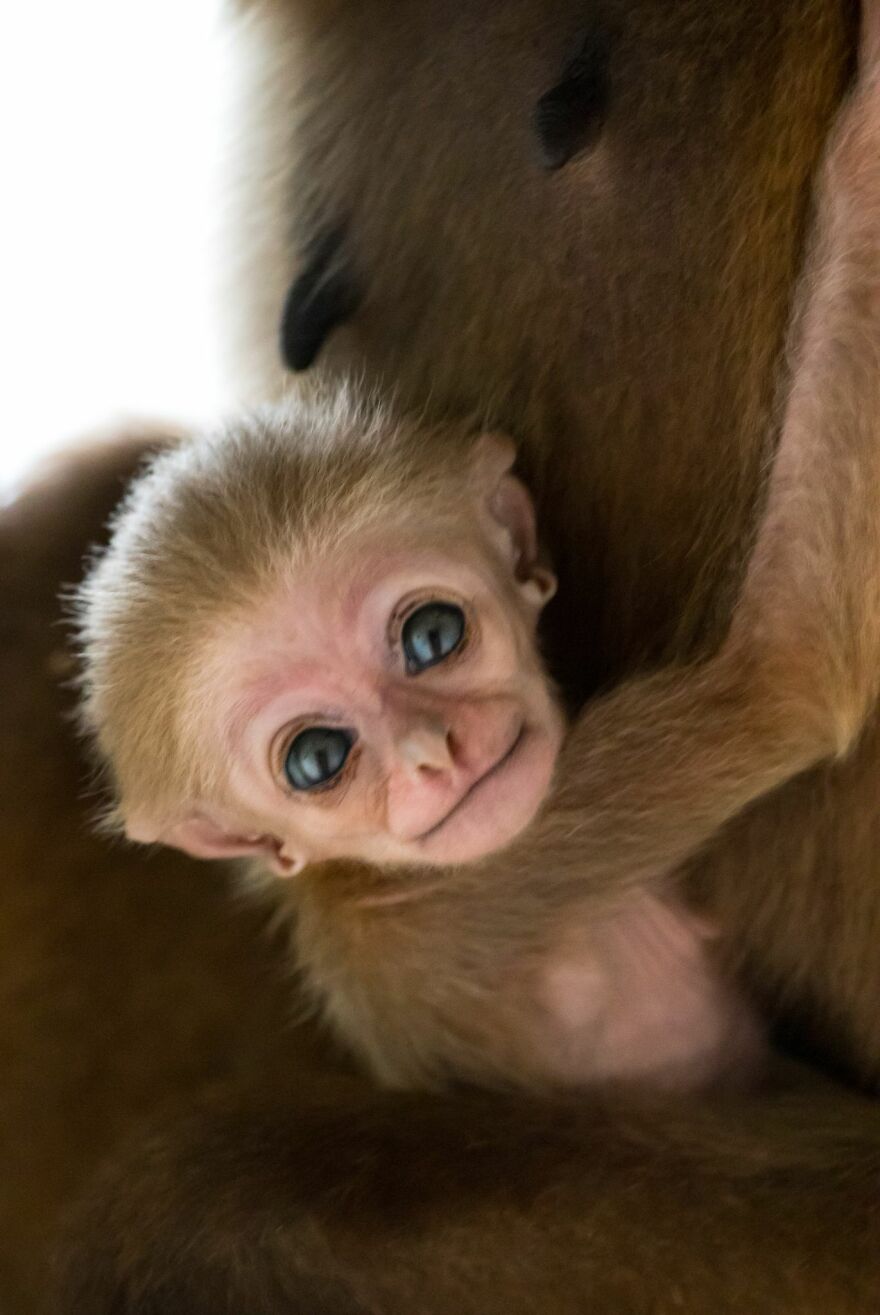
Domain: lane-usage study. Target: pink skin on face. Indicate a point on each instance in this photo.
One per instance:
(448, 765)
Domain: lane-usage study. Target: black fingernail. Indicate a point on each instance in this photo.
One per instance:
(323, 296)
(569, 117)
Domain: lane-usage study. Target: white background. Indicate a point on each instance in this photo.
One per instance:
(111, 118)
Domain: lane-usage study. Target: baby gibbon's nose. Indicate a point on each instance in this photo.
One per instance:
(425, 745)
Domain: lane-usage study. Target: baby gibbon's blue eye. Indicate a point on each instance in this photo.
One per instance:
(430, 634)
(316, 756)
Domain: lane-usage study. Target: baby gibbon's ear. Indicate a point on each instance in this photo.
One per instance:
(201, 836)
(509, 506)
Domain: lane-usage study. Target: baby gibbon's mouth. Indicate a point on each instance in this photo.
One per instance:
(496, 767)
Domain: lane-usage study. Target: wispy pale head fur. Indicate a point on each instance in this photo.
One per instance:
(211, 528)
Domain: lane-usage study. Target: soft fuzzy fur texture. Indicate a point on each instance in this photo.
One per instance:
(651, 772)
(209, 530)
(131, 990)
(625, 318)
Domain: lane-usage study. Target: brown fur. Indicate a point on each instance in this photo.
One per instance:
(635, 352)
(132, 990)
(429, 976)
(465, 1205)
(668, 352)
(572, 309)
(648, 774)
(125, 981)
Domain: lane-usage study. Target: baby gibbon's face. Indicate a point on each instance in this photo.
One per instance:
(390, 708)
